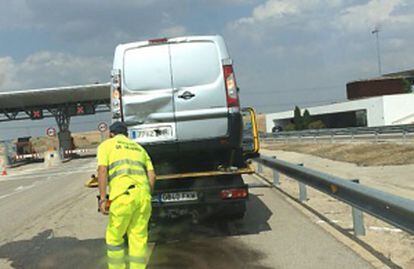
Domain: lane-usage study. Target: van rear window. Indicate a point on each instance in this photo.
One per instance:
(147, 68)
(194, 63)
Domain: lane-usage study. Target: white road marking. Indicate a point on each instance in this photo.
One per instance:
(48, 176)
(18, 190)
(323, 222)
(384, 229)
(22, 188)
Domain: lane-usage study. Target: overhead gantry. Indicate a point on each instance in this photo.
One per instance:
(62, 103)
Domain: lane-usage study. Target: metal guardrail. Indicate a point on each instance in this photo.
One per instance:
(404, 130)
(393, 209)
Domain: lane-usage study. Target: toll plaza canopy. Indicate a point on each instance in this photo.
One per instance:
(62, 103)
(53, 96)
(37, 103)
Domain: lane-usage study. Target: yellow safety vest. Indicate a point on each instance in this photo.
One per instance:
(127, 164)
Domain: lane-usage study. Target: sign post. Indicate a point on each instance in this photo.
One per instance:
(51, 132)
(102, 127)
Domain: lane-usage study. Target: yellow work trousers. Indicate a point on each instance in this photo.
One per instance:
(128, 215)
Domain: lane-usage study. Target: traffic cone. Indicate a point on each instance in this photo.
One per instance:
(4, 172)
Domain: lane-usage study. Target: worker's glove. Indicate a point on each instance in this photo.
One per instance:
(103, 205)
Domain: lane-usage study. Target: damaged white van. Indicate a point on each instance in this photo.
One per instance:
(179, 98)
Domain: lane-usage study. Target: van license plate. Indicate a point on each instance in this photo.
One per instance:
(171, 197)
(155, 133)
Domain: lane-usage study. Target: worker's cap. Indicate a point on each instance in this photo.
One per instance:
(118, 128)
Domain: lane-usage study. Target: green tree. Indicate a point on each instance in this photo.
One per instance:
(407, 86)
(306, 119)
(317, 125)
(297, 119)
(289, 127)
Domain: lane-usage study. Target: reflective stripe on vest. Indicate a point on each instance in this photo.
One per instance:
(126, 161)
(126, 171)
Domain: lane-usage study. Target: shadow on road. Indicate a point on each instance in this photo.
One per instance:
(182, 244)
(254, 222)
(45, 251)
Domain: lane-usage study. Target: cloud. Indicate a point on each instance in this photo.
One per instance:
(14, 14)
(7, 70)
(373, 14)
(173, 31)
(92, 27)
(48, 69)
(281, 9)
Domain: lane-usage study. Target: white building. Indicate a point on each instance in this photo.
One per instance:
(375, 111)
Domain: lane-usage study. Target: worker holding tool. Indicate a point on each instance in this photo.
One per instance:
(126, 167)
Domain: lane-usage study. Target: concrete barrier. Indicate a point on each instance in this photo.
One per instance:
(52, 158)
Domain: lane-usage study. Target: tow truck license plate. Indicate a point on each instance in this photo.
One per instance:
(171, 197)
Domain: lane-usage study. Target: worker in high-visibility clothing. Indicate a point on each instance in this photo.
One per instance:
(126, 167)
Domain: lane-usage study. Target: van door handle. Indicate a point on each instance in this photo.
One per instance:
(186, 95)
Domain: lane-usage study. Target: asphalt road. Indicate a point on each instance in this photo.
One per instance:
(49, 220)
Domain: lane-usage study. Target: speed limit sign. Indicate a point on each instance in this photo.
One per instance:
(51, 131)
(102, 127)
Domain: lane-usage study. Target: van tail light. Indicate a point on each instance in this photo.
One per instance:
(232, 194)
(231, 86)
(116, 100)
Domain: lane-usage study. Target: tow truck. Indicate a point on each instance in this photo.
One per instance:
(220, 193)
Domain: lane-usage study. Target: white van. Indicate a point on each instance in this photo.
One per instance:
(178, 96)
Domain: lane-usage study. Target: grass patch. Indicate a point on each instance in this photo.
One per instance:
(360, 154)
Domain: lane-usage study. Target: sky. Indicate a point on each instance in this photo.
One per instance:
(285, 52)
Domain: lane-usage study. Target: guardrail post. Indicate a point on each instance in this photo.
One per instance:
(303, 193)
(332, 138)
(376, 137)
(404, 136)
(352, 137)
(259, 168)
(358, 218)
(276, 180)
(314, 139)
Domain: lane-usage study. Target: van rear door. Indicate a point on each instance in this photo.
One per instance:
(199, 91)
(147, 97)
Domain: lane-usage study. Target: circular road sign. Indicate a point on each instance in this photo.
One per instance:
(102, 127)
(51, 131)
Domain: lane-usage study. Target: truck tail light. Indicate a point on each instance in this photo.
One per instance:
(231, 86)
(116, 100)
(233, 194)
